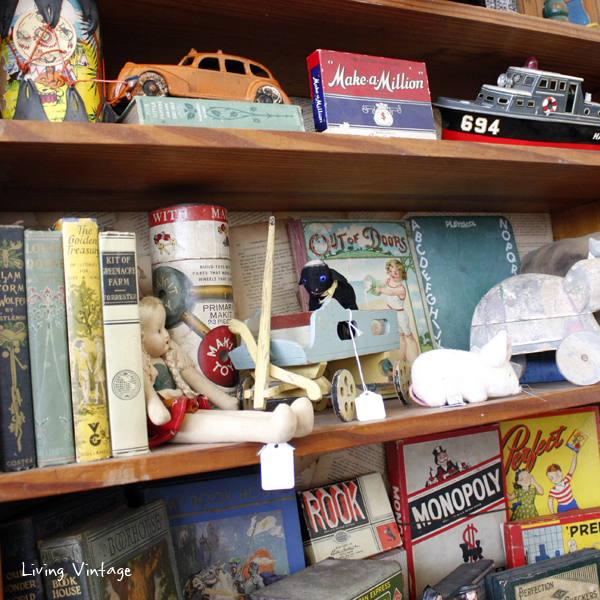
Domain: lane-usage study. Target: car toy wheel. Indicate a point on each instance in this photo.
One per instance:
(401, 377)
(153, 84)
(268, 95)
(578, 358)
(343, 394)
(242, 386)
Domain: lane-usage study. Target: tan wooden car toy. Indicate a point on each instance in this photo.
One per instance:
(199, 75)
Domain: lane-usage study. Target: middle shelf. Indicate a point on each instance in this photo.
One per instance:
(329, 434)
(138, 167)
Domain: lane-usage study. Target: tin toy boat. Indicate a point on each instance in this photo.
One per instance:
(528, 107)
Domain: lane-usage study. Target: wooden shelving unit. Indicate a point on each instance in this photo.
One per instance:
(63, 166)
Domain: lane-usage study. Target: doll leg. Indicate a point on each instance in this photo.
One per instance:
(213, 426)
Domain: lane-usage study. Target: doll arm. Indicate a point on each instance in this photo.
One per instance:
(573, 463)
(155, 409)
(511, 496)
(551, 504)
(538, 488)
(201, 385)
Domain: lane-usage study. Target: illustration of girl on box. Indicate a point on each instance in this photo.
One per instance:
(525, 490)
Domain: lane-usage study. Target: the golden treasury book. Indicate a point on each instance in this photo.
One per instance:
(86, 340)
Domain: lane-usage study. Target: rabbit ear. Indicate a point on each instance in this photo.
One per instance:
(497, 351)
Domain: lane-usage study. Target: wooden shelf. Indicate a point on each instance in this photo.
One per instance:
(142, 167)
(329, 434)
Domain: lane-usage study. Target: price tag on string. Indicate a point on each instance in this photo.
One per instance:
(369, 405)
(277, 467)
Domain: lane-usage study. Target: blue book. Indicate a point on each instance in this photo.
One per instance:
(229, 534)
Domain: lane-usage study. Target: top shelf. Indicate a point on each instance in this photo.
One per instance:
(329, 434)
(463, 46)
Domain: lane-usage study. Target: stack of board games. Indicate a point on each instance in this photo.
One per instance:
(569, 577)
(449, 501)
(533, 540)
(349, 519)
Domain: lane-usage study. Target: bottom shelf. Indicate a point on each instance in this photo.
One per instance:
(329, 434)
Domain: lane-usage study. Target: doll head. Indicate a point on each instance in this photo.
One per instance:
(398, 267)
(522, 479)
(554, 473)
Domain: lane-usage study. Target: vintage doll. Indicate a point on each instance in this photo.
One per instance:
(396, 292)
(170, 372)
(561, 492)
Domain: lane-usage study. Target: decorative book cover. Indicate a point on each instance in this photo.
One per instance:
(124, 553)
(349, 519)
(546, 470)
(48, 350)
(196, 112)
(449, 502)
(21, 576)
(86, 338)
(17, 436)
(376, 259)
(570, 577)
(460, 259)
(231, 529)
(370, 95)
(540, 538)
(122, 344)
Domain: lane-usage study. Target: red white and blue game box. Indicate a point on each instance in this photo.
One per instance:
(370, 95)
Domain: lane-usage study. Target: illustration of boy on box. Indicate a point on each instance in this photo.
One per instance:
(561, 492)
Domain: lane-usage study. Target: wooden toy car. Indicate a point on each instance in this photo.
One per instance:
(318, 354)
(548, 312)
(200, 75)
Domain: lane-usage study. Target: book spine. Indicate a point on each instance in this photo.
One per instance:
(64, 572)
(123, 344)
(20, 565)
(86, 340)
(47, 324)
(316, 91)
(298, 245)
(17, 436)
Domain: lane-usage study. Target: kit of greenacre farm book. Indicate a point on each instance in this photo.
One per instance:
(551, 462)
(376, 259)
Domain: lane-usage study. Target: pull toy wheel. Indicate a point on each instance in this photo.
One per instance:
(402, 380)
(343, 394)
(578, 358)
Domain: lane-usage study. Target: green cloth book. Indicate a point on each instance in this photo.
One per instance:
(196, 112)
(48, 349)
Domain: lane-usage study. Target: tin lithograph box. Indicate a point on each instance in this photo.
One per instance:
(370, 95)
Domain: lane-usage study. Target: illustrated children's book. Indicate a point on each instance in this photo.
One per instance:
(460, 259)
(540, 538)
(349, 519)
(448, 499)
(376, 259)
(125, 553)
(551, 462)
(229, 534)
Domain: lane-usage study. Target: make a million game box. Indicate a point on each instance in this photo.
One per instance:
(370, 95)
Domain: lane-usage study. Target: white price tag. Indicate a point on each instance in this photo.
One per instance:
(277, 467)
(455, 400)
(369, 406)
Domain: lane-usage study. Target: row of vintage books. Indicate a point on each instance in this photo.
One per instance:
(508, 510)
(71, 367)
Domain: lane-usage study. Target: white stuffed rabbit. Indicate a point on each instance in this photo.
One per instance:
(477, 375)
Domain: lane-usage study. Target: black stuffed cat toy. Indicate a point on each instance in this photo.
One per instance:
(320, 281)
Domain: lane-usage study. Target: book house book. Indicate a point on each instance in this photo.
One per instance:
(448, 498)
(460, 259)
(551, 462)
(21, 576)
(17, 436)
(226, 114)
(348, 519)
(122, 344)
(125, 553)
(86, 338)
(48, 349)
(540, 538)
(230, 521)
